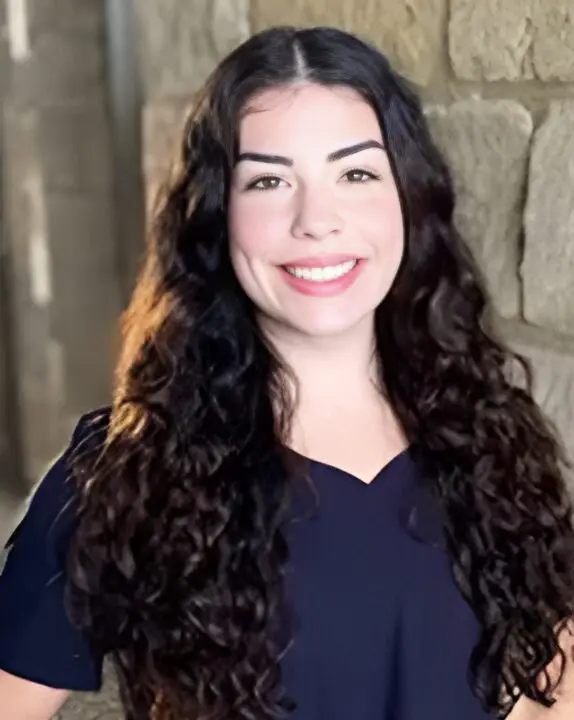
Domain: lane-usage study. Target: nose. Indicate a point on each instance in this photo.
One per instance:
(316, 215)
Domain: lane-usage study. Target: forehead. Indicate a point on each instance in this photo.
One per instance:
(306, 116)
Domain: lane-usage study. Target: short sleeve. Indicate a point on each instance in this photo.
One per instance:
(38, 642)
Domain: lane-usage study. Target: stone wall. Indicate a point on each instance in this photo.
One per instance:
(497, 78)
(8, 453)
(61, 247)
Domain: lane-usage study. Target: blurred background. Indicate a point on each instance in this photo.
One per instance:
(91, 99)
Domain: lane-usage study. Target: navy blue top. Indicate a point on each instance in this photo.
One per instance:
(381, 630)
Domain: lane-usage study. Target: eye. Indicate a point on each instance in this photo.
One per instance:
(356, 175)
(267, 182)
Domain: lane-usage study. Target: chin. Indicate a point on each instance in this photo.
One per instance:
(326, 327)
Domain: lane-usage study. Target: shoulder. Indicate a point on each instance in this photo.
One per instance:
(49, 508)
(38, 640)
(89, 433)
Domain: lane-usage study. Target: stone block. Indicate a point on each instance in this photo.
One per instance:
(104, 705)
(86, 299)
(409, 33)
(512, 39)
(486, 145)
(65, 16)
(75, 149)
(162, 134)
(181, 42)
(61, 69)
(548, 264)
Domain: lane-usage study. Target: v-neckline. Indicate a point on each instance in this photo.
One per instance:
(384, 470)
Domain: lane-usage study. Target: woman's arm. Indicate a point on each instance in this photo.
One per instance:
(25, 700)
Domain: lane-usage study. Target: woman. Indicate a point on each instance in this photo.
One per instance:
(321, 487)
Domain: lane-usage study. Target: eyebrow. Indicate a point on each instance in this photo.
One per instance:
(332, 157)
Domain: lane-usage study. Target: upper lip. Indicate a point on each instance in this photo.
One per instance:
(318, 261)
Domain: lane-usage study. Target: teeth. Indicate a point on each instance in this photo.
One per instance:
(322, 274)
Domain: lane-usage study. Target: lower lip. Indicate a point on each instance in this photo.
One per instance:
(326, 288)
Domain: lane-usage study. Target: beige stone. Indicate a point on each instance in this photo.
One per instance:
(66, 295)
(163, 124)
(548, 265)
(103, 705)
(65, 16)
(408, 32)
(75, 149)
(486, 145)
(512, 39)
(162, 134)
(63, 69)
(181, 42)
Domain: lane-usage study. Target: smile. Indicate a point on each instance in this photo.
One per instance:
(321, 274)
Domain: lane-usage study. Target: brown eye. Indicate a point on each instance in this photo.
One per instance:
(268, 182)
(359, 176)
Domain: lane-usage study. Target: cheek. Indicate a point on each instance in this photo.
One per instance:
(379, 222)
(253, 231)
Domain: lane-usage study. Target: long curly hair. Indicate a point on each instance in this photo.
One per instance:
(178, 560)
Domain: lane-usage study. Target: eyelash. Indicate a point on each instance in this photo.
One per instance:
(369, 176)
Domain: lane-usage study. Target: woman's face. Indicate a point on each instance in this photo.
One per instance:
(315, 223)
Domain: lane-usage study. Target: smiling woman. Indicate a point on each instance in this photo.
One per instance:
(320, 488)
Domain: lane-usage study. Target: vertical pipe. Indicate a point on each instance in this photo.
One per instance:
(125, 109)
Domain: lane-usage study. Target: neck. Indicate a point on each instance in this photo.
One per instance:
(325, 365)
(340, 408)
